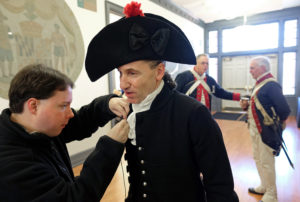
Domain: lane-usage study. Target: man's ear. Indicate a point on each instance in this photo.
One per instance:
(32, 104)
(160, 71)
(264, 69)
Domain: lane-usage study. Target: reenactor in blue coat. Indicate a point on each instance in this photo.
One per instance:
(198, 84)
(266, 103)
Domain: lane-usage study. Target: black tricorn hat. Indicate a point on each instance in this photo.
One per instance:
(149, 37)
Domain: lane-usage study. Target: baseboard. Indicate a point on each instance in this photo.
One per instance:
(79, 158)
(233, 110)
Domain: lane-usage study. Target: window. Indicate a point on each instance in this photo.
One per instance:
(251, 37)
(113, 17)
(213, 41)
(113, 13)
(289, 71)
(290, 33)
(213, 68)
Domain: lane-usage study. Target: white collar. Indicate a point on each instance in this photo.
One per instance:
(143, 106)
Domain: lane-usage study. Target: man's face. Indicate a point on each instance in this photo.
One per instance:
(202, 65)
(256, 70)
(53, 114)
(138, 79)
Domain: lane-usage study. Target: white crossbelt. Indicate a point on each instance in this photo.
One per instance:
(197, 83)
(257, 87)
(267, 119)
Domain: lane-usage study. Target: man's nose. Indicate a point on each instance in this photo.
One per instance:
(70, 113)
(123, 82)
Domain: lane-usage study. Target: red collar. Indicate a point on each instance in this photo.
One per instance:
(269, 75)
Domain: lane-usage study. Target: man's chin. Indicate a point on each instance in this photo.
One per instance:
(54, 134)
(132, 101)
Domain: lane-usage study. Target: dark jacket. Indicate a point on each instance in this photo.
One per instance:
(270, 95)
(37, 168)
(177, 139)
(186, 79)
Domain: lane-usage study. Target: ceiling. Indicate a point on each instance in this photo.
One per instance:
(212, 10)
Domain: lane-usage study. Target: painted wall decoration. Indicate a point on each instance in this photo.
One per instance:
(38, 31)
(87, 4)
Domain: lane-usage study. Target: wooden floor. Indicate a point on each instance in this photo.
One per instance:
(237, 141)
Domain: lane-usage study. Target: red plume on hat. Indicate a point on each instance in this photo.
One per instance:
(133, 9)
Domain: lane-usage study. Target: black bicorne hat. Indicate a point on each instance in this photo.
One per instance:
(129, 39)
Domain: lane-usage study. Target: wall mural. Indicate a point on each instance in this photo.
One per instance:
(87, 4)
(38, 31)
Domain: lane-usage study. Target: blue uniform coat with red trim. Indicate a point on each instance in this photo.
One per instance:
(270, 95)
(186, 79)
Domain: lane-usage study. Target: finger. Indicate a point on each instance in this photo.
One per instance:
(125, 110)
(118, 118)
(124, 114)
(126, 107)
(117, 113)
(123, 123)
(118, 109)
(121, 112)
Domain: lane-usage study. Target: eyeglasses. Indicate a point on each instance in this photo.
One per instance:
(204, 63)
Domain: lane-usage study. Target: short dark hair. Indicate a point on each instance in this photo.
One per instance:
(35, 81)
(167, 77)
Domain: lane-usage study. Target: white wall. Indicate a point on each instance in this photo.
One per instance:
(91, 23)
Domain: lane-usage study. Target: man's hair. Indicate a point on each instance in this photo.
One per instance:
(35, 81)
(167, 77)
(262, 61)
(202, 54)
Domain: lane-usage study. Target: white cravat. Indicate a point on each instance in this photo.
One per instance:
(143, 106)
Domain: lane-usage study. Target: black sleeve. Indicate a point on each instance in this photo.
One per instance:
(88, 119)
(23, 179)
(181, 81)
(211, 156)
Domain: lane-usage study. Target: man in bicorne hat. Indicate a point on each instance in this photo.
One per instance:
(173, 139)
